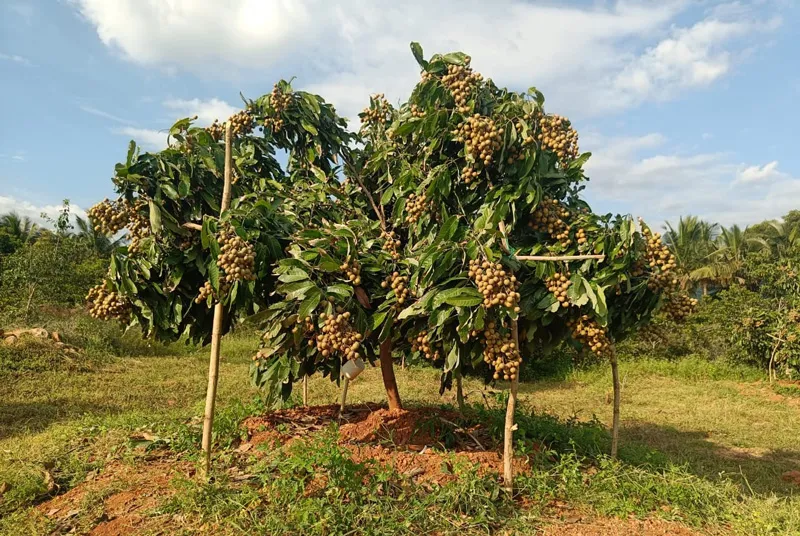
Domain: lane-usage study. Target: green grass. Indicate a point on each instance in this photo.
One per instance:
(703, 443)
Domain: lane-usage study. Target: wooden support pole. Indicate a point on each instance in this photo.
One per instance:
(617, 396)
(559, 257)
(216, 332)
(305, 390)
(508, 435)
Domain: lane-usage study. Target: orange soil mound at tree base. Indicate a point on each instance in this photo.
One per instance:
(426, 444)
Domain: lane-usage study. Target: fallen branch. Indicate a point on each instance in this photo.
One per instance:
(462, 429)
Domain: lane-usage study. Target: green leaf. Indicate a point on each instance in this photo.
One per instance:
(452, 359)
(448, 229)
(310, 303)
(340, 290)
(377, 319)
(155, 217)
(311, 129)
(416, 49)
(459, 297)
(212, 271)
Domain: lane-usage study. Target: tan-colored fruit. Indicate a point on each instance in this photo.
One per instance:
(499, 288)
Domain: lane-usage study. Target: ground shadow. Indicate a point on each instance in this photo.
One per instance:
(30, 417)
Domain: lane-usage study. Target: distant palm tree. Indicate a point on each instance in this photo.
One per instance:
(691, 242)
(729, 250)
(102, 244)
(21, 228)
(784, 238)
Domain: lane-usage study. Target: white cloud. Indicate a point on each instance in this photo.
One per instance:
(759, 174)
(100, 113)
(15, 58)
(205, 110)
(34, 211)
(152, 140)
(648, 176)
(600, 57)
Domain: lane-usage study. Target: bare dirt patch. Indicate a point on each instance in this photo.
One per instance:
(128, 492)
(616, 527)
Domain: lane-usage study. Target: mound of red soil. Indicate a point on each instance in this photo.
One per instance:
(426, 444)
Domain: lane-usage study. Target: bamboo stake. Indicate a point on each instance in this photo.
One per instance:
(508, 435)
(617, 396)
(559, 257)
(216, 332)
(305, 390)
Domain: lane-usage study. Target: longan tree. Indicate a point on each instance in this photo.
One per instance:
(208, 217)
(478, 236)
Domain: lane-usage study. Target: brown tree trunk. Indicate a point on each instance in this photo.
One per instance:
(343, 403)
(460, 390)
(508, 434)
(387, 371)
(615, 421)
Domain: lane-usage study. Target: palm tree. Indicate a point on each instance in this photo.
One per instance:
(102, 244)
(730, 248)
(21, 228)
(784, 238)
(691, 242)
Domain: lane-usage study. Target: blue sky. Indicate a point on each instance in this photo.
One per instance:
(688, 106)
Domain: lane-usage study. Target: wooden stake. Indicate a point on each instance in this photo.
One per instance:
(305, 390)
(508, 435)
(216, 332)
(559, 257)
(617, 396)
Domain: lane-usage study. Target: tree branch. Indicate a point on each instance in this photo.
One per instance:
(193, 226)
(378, 211)
(559, 257)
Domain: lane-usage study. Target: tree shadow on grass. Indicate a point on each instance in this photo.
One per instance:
(645, 444)
(17, 418)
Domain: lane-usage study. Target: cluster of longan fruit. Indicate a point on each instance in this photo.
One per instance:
(481, 137)
(378, 114)
(497, 286)
(391, 242)
(138, 226)
(338, 335)
(241, 123)
(416, 111)
(550, 217)
(415, 207)
(352, 270)
(559, 285)
(469, 174)
(108, 217)
(588, 332)
(460, 81)
(661, 261)
(280, 102)
(422, 343)
(237, 257)
(501, 352)
(679, 306)
(399, 284)
(580, 236)
(106, 304)
(205, 291)
(557, 135)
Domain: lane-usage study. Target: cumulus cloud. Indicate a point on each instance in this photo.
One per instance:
(151, 140)
(590, 58)
(34, 211)
(663, 183)
(759, 174)
(205, 110)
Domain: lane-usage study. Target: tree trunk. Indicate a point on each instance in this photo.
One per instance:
(617, 394)
(216, 331)
(345, 386)
(30, 300)
(305, 390)
(508, 434)
(389, 380)
(460, 390)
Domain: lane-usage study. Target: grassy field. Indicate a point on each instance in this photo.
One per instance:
(703, 445)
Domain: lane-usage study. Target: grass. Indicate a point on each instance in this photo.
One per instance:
(703, 443)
